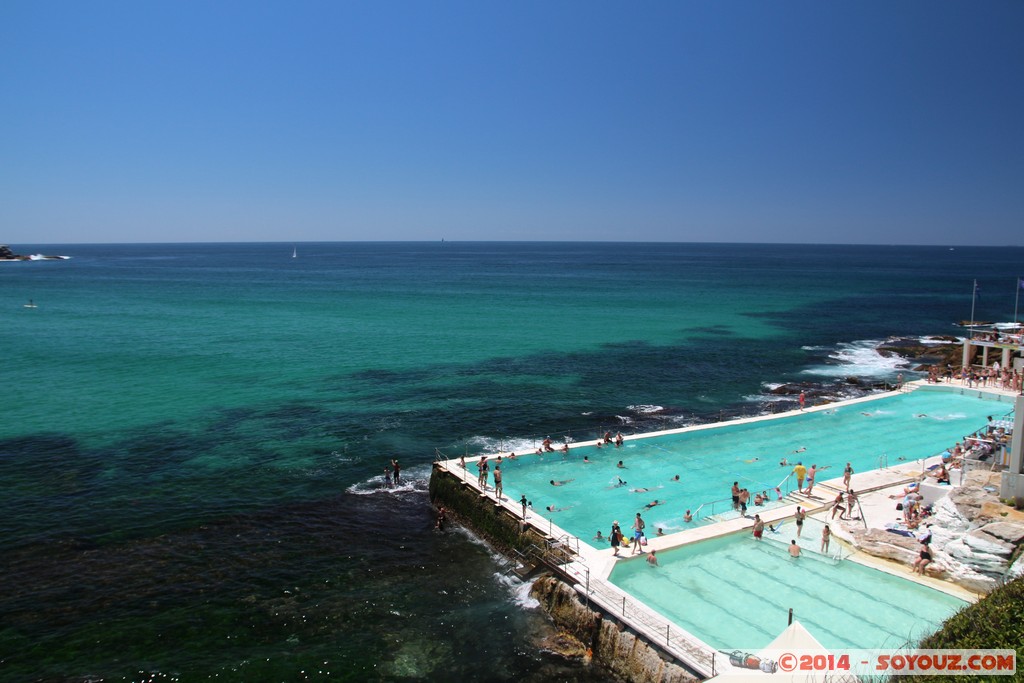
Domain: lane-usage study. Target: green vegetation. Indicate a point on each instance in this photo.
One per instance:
(995, 622)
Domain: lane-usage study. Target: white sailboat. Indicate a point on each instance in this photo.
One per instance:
(295, 252)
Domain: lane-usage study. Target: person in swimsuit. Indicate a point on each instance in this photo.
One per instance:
(800, 515)
(794, 549)
(758, 527)
(847, 474)
(923, 560)
(735, 495)
(497, 481)
(826, 536)
(837, 506)
(638, 532)
(810, 478)
(744, 497)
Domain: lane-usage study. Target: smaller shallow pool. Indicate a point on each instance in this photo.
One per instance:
(734, 592)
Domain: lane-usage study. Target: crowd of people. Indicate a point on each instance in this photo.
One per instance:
(1005, 378)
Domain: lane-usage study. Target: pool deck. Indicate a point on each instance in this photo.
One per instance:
(593, 566)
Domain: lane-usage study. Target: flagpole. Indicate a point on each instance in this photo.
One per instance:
(1020, 282)
(974, 297)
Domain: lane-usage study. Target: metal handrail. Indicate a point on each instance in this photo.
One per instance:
(712, 503)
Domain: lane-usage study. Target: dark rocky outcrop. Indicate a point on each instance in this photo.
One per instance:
(945, 350)
(613, 645)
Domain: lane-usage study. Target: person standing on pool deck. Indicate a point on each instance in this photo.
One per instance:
(800, 515)
(803, 400)
(800, 471)
(497, 481)
(811, 474)
(847, 475)
(638, 532)
(481, 471)
(524, 503)
(851, 500)
(758, 528)
(616, 537)
(837, 506)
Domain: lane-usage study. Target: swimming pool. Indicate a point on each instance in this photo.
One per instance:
(908, 426)
(733, 592)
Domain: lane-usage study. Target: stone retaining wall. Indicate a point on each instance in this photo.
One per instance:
(606, 640)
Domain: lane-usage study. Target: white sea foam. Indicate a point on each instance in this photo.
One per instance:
(644, 409)
(519, 591)
(860, 359)
(624, 419)
(684, 420)
(931, 341)
(413, 480)
(487, 444)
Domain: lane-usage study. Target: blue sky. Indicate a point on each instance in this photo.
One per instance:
(734, 120)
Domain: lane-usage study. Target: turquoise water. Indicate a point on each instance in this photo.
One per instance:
(909, 426)
(734, 592)
(193, 434)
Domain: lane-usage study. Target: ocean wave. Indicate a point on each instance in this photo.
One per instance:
(624, 419)
(859, 358)
(413, 480)
(488, 444)
(931, 341)
(684, 420)
(644, 409)
(519, 591)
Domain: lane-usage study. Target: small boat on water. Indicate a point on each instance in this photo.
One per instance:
(295, 252)
(31, 304)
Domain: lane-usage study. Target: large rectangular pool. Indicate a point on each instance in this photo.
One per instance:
(908, 426)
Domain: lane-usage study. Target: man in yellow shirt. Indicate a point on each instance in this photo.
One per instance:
(800, 471)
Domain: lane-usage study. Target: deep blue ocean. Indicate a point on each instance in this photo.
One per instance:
(193, 434)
